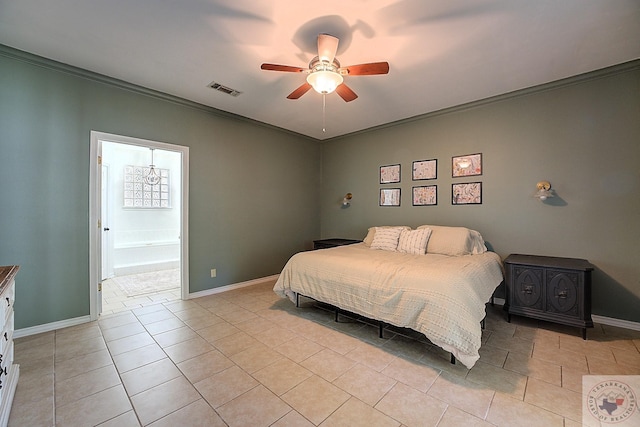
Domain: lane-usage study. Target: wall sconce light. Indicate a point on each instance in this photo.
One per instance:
(346, 202)
(544, 191)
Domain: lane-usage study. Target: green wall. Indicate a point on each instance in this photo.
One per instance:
(253, 189)
(582, 135)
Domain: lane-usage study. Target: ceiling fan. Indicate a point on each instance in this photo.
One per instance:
(325, 74)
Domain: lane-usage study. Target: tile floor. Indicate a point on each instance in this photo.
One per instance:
(248, 358)
(114, 300)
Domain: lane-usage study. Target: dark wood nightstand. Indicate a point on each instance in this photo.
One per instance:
(549, 288)
(332, 243)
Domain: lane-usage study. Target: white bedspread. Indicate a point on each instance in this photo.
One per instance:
(441, 296)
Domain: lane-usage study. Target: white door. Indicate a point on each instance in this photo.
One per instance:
(107, 234)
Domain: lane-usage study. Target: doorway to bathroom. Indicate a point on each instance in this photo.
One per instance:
(140, 245)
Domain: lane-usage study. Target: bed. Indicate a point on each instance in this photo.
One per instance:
(435, 280)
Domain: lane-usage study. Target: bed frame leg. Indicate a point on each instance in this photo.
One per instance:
(337, 313)
(297, 300)
(482, 323)
(453, 359)
(381, 329)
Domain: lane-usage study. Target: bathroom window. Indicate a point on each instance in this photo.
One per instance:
(138, 194)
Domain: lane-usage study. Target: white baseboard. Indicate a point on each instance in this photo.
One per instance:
(231, 287)
(47, 327)
(603, 320)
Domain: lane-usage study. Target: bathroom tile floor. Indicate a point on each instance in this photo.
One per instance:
(248, 358)
(114, 300)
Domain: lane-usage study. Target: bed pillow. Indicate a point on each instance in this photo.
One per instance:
(386, 239)
(372, 231)
(454, 241)
(414, 241)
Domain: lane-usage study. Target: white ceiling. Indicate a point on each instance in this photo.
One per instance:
(441, 53)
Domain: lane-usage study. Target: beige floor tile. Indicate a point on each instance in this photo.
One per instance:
(205, 365)
(79, 332)
(38, 413)
(299, 349)
(148, 309)
(80, 347)
(572, 379)
(355, 413)
(411, 407)
(414, 374)
(565, 358)
(237, 316)
(561, 401)
(217, 331)
(123, 345)
(506, 411)
(188, 349)
(197, 323)
(371, 356)
(112, 321)
(35, 367)
(454, 417)
(462, 394)
(164, 326)
(168, 397)
(128, 419)
(493, 355)
(88, 383)
(235, 343)
(315, 399)
(149, 376)
(139, 357)
(32, 388)
(328, 364)
(122, 331)
(536, 368)
(500, 380)
(155, 316)
(282, 376)
(406, 347)
(365, 383)
(94, 409)
(256, 357)
(257, 407)
(198, 413)
(275, 336)
(512, 344)
(175, 336)
(293, 419)
(190, 312)
(629, 357)
(225, 386)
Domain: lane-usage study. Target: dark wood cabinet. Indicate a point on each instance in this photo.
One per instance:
(332, 243)
(549, 288)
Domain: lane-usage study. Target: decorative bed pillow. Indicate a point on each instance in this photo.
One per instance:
(372, 232)
(454, 241)
(414, 241)
(386, 238)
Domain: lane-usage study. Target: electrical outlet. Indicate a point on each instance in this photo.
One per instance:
(213, 272)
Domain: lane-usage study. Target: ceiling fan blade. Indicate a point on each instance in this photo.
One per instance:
(367, 69)
(327, 47)
(287, 68)
(300, 91)
(346, 93)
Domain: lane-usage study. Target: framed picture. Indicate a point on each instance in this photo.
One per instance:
(469, 193)
(389, 197)
(425, 169)
(389, 174)
(425, 195)
(467, 165)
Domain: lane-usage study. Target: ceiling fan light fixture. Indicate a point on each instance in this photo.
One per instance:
(324, 81)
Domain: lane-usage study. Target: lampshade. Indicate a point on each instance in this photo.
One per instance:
(324, 81)
(543, 190)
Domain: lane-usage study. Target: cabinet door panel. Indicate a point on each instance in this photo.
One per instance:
(562, 292)
(527, 289)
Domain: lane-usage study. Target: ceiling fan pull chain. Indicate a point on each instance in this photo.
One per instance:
(324, 105)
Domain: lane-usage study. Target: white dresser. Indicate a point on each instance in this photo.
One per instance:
(9, 371)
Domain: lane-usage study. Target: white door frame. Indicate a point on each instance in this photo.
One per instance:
(95, 213)
(106, 255)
